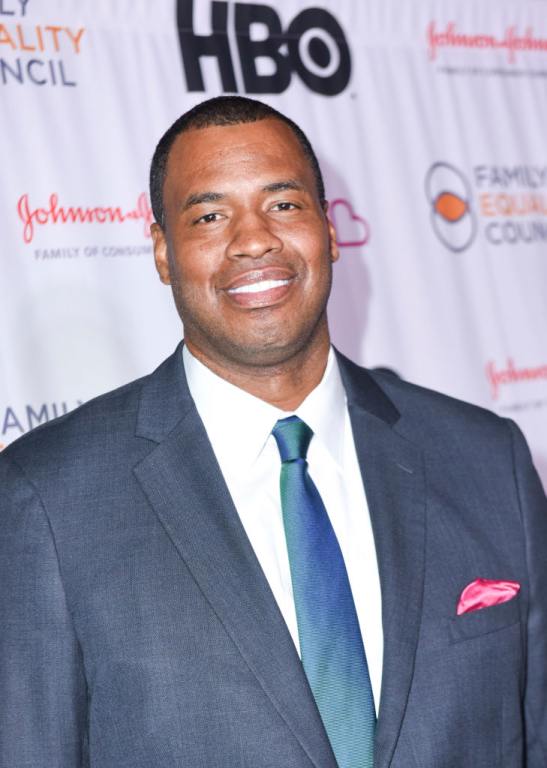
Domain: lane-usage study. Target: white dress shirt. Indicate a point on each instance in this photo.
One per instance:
(239, 428)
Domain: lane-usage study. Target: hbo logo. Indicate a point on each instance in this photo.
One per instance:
(313, 46)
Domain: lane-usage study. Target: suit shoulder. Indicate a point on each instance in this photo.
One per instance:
(437, 419)
(399, 401)
(411, 395)
(429, 401)
(91, 424)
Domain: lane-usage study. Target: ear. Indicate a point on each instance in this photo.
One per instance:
(160, 253)
(334, 252)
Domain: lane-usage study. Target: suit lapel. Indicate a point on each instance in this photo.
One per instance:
(392, 469)
(184, 485)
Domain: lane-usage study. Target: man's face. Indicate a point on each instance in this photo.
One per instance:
(246, 244)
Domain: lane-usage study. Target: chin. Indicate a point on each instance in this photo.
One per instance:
(268, 352)
(268, 346)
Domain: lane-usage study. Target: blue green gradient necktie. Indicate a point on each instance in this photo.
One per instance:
(331, 646)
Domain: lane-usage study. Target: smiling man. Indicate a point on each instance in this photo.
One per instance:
(261, 554)
(247, 247)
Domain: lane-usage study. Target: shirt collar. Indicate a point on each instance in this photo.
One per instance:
(324, 410)
(239, 424)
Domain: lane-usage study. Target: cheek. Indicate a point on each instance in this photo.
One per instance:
(193, 266)
(317, 257)
(311, 240)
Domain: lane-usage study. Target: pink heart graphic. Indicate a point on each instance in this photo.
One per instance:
(351, 230)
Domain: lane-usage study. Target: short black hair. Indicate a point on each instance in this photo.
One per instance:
(221, 110)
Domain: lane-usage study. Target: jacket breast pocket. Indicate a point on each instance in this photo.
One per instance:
(484, 620)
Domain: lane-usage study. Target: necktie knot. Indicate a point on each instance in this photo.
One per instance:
(293, 437)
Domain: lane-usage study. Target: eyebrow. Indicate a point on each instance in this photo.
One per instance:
(281, 186)
(202, 197)
(215, 197)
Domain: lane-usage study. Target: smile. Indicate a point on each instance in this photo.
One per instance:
(259, 287)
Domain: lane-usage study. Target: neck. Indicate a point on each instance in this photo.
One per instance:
(284, 385)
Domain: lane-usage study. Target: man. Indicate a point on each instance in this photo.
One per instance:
(163, 604)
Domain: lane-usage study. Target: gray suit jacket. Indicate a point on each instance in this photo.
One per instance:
(137, 629)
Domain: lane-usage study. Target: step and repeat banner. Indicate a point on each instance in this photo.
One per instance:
(429, 121)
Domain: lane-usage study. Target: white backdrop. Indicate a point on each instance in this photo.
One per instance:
(429, 121)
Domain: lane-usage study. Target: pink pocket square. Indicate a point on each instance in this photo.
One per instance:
(482, 593)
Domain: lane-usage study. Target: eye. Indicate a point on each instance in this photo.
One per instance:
(208, 218)
(285, 205)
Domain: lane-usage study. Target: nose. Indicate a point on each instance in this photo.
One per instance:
(252, 236)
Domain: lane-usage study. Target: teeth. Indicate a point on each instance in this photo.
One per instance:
(262, 285)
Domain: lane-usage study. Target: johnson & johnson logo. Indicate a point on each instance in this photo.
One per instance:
(54, 213)
(512, 375)
(511, 42)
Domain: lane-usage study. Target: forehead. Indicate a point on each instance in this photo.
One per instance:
(264, 147)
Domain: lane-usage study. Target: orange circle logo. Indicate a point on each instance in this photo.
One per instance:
(452, 216)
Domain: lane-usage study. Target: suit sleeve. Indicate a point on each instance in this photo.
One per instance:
(533, 504)
(42, 685)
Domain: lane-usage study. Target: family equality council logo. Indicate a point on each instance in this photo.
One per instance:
(504, 204)
(452, 216)
(37, 54)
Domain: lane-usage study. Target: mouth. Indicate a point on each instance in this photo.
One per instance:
(260, 288)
